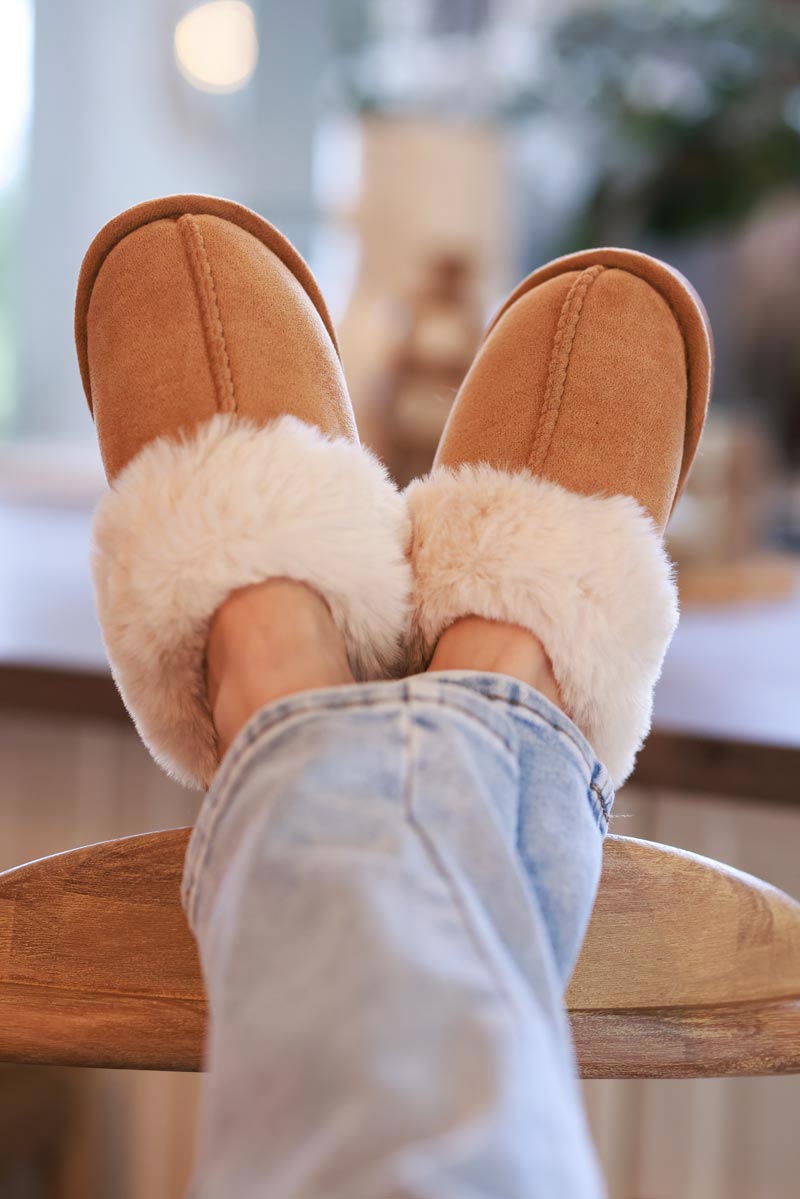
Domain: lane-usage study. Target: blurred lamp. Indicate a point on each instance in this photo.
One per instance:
(216, 45)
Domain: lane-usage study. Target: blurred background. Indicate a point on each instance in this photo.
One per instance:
(424, 156)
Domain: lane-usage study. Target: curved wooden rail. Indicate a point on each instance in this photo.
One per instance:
(689, 968)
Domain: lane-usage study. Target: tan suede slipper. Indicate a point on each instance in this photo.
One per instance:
(210, 364)
(565, 452)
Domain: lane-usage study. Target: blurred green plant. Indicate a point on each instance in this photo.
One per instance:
(699, 111)
(689, 110)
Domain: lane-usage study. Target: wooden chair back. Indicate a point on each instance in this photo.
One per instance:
(689, 968)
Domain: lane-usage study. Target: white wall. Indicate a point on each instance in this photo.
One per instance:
(115, 123)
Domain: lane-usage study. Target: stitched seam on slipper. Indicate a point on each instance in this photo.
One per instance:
(214, 333)
(563, 343)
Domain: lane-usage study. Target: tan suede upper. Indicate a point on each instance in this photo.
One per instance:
(584, 379)
(191, 314)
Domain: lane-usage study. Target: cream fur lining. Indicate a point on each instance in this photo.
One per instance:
(188, 522)
(588, 575)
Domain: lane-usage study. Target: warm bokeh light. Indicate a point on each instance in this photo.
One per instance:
(216, 45)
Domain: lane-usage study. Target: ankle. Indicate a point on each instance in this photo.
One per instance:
(473, 643)
(265, 642)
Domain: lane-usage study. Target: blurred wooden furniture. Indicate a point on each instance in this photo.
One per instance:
(438, 334)
(43, 1150)
(690, 969)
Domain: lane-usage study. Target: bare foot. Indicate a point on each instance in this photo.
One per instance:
(473, 643)
(265, 642)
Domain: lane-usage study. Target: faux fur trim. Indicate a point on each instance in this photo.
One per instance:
(588, 575)
(188, 522)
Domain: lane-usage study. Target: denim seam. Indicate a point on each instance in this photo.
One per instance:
(599, 796)
(605, 807)
(438, 702)
(541, 716)
(213, 814)
(204, 835)
(429, 848)
(594, 794)
(191, 884)
(597, 816)
(238, 772)
(270, 720)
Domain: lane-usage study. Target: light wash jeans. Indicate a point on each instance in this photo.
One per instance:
(389, 884)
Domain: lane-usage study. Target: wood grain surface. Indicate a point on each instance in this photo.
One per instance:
(97, 964)
(689, 968)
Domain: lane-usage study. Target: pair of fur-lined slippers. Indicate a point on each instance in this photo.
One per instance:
(211, 367)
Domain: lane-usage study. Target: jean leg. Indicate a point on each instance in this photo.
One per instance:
(384, 985)
(565, 798)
